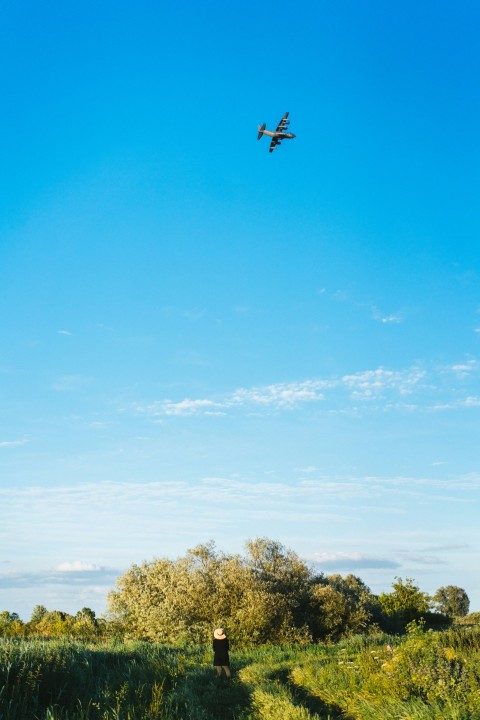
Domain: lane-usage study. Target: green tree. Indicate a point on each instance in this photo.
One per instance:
(277, 567)
(258, 598)
(55, 624)
(452, 601)
(285, 576)
(329, 612)
(85, 625)
(11, 625)
(472, 618)
(405, 604)
(342, 606)
(39, 611)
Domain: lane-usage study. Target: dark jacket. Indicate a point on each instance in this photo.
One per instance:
(220, 652)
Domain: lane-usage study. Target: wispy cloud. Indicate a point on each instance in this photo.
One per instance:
(147, 507)
(351, 561)
(13, 443)
(277, 396)
(380, 389)
(66, 574)
(190, 407)
(90, 529)
(342, 296)
(472, 401)
(445, 548)
(77, 566)
(426, 560)
(466, 368)
(386, 319)
(281, 395)
(391, 319)
(361, 386)
(375, 383)
(468, 402)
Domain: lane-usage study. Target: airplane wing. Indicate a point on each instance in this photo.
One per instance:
(273, 144)
(283, 123)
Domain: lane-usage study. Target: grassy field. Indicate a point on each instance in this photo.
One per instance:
(432, 676)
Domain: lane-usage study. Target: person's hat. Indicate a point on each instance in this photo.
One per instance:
(219, 633)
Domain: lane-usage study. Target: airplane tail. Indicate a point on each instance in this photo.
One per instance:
(261, 128)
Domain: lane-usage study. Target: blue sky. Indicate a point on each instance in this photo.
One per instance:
(201, 340)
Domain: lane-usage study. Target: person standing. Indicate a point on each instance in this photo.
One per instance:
(221, 658)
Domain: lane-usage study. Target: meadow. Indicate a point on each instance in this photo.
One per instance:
(421, 676)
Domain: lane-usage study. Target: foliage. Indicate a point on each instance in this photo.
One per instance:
(66, 680)
(343, 606)
(452, 601)
(54, 624)
(11, 625)
(421, 676)
(270, 595)
(39, 612)
(426, 675)
(405, 604)
(472, 618)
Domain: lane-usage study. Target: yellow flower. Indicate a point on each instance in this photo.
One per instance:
(449, 653)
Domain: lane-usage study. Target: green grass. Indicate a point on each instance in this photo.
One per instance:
(428, 676)
(66, 680)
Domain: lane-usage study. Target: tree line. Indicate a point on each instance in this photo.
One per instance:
(267, 595)
(83, 626)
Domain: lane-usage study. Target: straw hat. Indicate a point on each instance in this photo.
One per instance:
(219, 634)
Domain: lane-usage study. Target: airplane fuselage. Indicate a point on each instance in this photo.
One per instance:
(279, 135)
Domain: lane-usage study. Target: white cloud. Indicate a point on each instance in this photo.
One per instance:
(373, 383)
(425, 389)
(78, 576)
(77, 566)
(472, 401)
(391, 319)
(386, 319)
(468, 402)
(64, 332)
(277, 396)
(464, 369)
(189, 407)
(281, 395)
(345, 523)
(13, 443)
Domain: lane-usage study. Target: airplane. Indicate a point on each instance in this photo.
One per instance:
(279, 134)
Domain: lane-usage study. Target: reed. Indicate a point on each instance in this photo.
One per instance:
(423, 676)
(66, 680)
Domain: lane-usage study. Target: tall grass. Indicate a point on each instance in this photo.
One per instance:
(431, 676)
(425, 676)
(42, 680)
